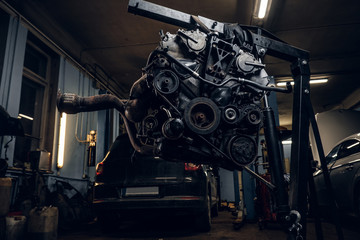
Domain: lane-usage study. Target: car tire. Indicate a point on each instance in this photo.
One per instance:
(203, 222)
(357, 201)
(107, 221)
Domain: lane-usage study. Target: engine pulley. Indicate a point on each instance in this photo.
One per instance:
(231, 114)
(254, 117)
(242, 150)
(252, 114)
(166, 82)
(173, 128)
(202, 115)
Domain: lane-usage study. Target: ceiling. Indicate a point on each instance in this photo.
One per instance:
(104, 37)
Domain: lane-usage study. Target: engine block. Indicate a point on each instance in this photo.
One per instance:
(194, 102)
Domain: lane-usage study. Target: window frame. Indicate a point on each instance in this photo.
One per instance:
(45, 83)
(47, 79)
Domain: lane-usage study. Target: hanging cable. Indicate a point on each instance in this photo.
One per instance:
(76, 127)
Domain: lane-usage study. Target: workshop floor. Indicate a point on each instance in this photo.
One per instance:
(222, 229)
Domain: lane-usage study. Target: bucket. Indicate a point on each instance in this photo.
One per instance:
(43, 223)
(5, 193)
(15, 227)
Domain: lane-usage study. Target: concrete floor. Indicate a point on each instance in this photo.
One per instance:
(180, 229)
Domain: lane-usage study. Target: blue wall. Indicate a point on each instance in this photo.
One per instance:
(227, 189)
(73, 81)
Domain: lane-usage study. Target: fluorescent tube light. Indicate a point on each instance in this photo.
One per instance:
(313, 81)
(286, 142)
(262, 8)
(282, 84)
(61, 148)
(353, 145)
(25, 116)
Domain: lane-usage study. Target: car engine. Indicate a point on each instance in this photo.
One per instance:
(199, 99)
(195, 101)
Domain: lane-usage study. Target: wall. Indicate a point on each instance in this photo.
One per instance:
(4, 24)
(108, 130)
(333, 127)
(227, 188)
(72, 80)
(11, 72)
(13, 37)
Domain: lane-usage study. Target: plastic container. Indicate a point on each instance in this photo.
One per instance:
(15, 227)
(5, 194)
(43, 223)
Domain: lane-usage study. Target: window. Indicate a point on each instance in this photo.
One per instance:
(348, 148)
(32, 95)
(37, 101)
(36, 62)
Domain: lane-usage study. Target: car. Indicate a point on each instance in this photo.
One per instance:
(343, 163)
(130, 184)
